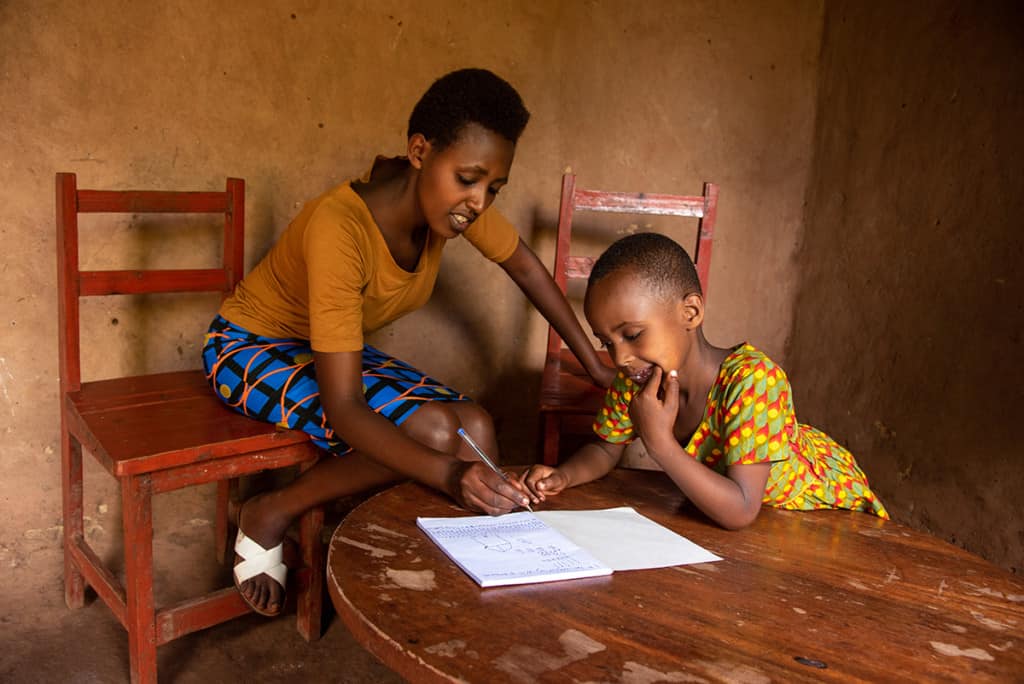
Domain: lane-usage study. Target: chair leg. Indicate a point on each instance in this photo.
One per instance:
(552, 430)
(71, 486)
(140, 611)
(309, 606)
(227, 497)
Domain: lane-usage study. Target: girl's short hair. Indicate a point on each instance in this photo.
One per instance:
(468, 96)
(659, 261)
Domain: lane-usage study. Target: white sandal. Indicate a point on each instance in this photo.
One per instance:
(256, 561)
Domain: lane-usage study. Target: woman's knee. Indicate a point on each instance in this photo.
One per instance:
(434, 424)
(477, 422)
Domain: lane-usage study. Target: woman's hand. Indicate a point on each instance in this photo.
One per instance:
(603, 375)
(479, 488)
(542, 480)
(654, 417)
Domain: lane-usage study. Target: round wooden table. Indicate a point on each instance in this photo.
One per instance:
(816, 596)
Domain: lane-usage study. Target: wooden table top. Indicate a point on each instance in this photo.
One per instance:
(799, 596)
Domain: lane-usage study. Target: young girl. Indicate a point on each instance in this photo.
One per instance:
(719, 422)
(288, 346)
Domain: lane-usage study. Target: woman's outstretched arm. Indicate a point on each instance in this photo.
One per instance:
(533, 279)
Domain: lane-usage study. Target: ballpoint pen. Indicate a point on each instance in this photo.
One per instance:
(483, 457)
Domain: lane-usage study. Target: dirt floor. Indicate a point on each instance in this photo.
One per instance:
(41, 640)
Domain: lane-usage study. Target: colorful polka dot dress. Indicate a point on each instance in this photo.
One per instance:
(749, 418)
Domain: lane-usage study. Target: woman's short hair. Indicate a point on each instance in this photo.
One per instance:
(464, 97)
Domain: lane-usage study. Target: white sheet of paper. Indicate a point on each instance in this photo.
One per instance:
(517, 548)
(623, 539)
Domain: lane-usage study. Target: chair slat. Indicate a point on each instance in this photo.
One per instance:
(578, 267)
(151, 201)
(95, 283)
(639, 203)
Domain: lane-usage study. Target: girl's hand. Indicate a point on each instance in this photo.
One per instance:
(479, 488)
(542, 481)
(654, 417)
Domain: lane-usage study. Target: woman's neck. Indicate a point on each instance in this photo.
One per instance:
(390, 195)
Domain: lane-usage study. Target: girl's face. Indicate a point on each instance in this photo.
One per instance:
(458, 183)
(639, 331)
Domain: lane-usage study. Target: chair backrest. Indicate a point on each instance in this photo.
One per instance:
(74, 283)
(568, 267)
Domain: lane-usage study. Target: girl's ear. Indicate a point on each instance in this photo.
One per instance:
(418, 149)
(691, 311)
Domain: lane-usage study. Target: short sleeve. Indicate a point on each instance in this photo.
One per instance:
(493, 235)
(613, 423)
(336, 256)
(757, 414)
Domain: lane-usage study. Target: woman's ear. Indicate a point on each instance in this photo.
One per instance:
(418, 149)
(691, 311)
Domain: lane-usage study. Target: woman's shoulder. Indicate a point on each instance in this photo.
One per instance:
(338, 207)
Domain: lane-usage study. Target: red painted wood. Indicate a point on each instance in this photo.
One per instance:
(143, 282)
(71, 502)
(67, 282)
(638, 203)
(234, 234)
(874, 600)
(309, 606)
(100, 578)
(226, 467)
(223, 529)
(196, 614)
(152, 202)
(140, 610)
(160, 432)
(565, 388)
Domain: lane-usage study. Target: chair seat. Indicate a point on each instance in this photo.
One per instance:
(566, 387)
(154, 422)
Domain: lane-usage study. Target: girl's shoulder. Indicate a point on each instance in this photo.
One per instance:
(746, 364)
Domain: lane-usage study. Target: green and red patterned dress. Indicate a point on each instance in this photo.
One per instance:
(749, 418)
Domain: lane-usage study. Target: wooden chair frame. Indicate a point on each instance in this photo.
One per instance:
(161, 432)
(567, 392)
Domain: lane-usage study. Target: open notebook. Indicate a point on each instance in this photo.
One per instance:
(521, 548)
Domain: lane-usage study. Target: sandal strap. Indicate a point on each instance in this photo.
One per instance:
(259, 561)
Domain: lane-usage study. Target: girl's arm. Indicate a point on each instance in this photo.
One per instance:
(591, 462)
(472, 484)
(732, 500)
(540, 288)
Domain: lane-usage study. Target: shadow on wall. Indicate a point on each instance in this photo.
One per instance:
(908, 315)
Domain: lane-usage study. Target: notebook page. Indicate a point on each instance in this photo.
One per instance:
(516, 548)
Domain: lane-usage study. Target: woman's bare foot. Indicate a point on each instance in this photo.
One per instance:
(261, 520)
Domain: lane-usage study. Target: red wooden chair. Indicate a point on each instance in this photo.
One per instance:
(567, 395)
(161, 432)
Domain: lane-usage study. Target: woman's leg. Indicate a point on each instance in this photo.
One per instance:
(274, 380)
(265, 518)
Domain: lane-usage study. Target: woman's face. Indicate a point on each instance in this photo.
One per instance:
(458, 183)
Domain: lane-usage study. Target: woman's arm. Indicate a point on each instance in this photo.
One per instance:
(473, 485)
(533, 279)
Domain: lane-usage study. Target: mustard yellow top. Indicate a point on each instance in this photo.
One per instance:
(330, 278)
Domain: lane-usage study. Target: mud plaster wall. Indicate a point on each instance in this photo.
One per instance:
(297, 96)
(907, 326)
